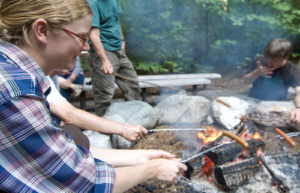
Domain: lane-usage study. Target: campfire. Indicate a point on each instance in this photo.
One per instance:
(231, 164)
(244, 158)
(230, 161)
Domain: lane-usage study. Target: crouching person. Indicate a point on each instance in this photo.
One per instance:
(271, 74)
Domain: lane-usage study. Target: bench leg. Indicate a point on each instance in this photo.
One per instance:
(194, 89)
(82, 100)
(144, 94)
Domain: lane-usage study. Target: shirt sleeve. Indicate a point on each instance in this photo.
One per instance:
(96, 13)
(295, 73)
(54, 94)
(36, 156)
(77, 68)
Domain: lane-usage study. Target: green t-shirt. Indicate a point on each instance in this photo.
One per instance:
(106, 17)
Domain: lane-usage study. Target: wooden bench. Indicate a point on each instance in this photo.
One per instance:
(170, 80)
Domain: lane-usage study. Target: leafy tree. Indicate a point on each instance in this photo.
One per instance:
(184, 36)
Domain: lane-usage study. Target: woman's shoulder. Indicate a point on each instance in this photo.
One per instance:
(16, 82)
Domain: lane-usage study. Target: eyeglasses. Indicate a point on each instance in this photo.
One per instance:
(81, 37)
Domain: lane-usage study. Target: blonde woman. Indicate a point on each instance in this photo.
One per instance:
(38, 36)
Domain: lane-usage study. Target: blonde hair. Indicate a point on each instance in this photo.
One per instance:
(16, 16)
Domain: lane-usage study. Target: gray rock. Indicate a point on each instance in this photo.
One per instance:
(273, 113)
(130, 113)
(182, 109)
(229, 116)
(98, 139)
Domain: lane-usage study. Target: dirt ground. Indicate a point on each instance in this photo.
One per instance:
(171, 142)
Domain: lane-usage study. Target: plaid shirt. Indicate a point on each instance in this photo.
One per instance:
(36, 156)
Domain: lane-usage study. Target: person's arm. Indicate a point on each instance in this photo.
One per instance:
(162, 169)
(107, 67)
(295, 114)
(84, 120)
(123, 39)
(68, 83)
(140, 165)
(259, 71)
(121, 158)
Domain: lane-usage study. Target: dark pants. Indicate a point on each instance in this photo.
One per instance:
(104, 85)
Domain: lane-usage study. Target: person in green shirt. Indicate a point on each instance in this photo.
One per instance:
(107, 55)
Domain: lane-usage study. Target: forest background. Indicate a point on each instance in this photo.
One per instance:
(194, 36)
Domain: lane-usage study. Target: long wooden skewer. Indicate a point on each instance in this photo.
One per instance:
(181, 129)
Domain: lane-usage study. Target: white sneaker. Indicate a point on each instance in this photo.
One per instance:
(84, 54)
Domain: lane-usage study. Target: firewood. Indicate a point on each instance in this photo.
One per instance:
(236, 174)
(230, 152)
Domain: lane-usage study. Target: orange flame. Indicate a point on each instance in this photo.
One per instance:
(207, 166)
(243, 137)
(210, 135)
(256, 135)
(245, 153)
(260, 152)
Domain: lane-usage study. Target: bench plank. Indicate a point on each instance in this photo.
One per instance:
(175, 76)
(169, 80)
(174, 82)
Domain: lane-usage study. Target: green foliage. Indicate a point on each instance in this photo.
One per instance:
(244, 63)
(84, 66)
(149, 67)
(185, 36)
(289, 15)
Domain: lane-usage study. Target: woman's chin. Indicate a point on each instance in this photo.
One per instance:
(71, 66)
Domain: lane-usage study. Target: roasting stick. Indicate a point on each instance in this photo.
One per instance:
(287, 138)
(279, 182)
(225, 133)
(202, 153)
(292, 134)
(181, 129)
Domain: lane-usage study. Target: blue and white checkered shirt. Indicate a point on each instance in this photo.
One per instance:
(36, 156)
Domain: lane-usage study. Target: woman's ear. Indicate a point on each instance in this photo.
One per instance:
(41, 30)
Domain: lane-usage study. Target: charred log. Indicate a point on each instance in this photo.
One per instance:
(232, 151)
(236, 174)
(245, 125)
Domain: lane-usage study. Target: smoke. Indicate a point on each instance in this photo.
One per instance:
(193, 36)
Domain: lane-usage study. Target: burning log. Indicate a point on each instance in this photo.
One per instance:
(234, 175)
(231, 151)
